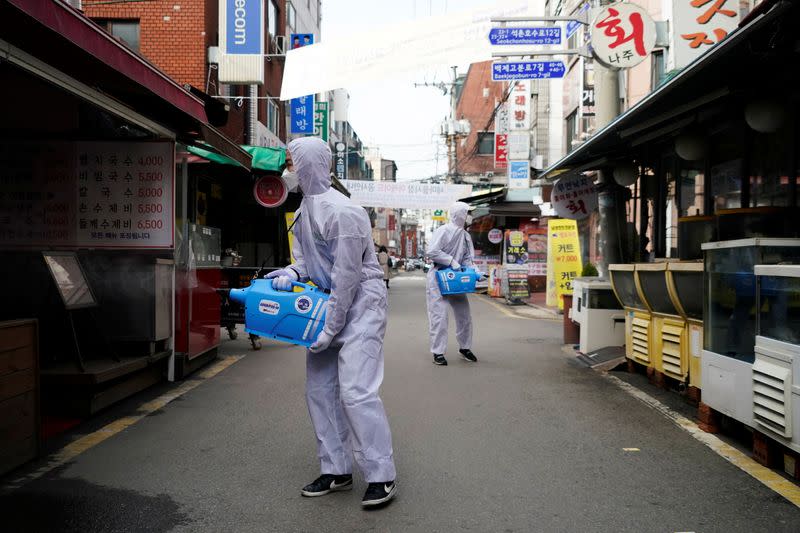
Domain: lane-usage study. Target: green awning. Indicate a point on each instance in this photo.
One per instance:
(212, 156)
(269, 159)
(273, 159)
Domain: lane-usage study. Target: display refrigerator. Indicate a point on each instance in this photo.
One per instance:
(776, 369)
(685, 284)
(731, 319)
(637, 315)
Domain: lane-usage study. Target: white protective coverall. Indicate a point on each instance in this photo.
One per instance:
(333, 248)
(450, 243)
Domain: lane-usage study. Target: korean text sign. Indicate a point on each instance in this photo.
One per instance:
(574, 197)
(87, 194)
(699, 25)
(564, 262)
(501, 150)
(406, 195)
(623, 35)
(244, 26)
(302, 120)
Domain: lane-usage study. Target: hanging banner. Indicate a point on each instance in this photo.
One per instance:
(341, 161)
(387, 51)
(563, 259)
(405, 195)
(302, 120)
(321, 128)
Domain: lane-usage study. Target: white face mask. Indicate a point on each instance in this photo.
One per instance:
(290, 180)
(469, 220)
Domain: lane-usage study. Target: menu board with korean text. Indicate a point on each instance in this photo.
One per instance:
(87, 194)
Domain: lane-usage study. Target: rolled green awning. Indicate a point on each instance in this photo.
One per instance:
(268, 159)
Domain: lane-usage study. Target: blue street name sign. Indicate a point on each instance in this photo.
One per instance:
(572, 26)
(527, 70)
(504, 36)
(302, 115)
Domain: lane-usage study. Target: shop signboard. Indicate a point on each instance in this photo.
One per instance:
(574, 197)
(321, 127)
(501, 150)
(698, 26)
(527, 70)
(622, 35)
(519, 175)
(495, 236)
(518, 289)
(516, 248)
(341, 161)
(573, 25)
(520, 106)
(302, 116)
(298, 40)
(87, 194)
(241, 39)
(526, 35)
(563, 259)
(519, 145)
(405, 195)
(270, 191)
(439, 215)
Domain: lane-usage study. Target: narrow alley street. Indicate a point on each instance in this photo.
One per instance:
(521, 441)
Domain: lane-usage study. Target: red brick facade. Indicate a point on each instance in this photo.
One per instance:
(174, 35)
(174, 40)
(478, 109)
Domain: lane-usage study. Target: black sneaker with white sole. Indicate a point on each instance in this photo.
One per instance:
(379, 493)
(327, 483)
(468, 355)
(438, 359)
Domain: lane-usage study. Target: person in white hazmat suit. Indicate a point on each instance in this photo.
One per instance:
(344, 367)
(451, 246)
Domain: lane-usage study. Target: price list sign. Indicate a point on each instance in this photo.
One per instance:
(88, 194)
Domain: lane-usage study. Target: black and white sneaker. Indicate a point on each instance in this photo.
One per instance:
(327, 483)
(379, 493)
(438, 359)
(468, 355)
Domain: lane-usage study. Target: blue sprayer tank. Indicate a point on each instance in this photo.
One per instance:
(457, 281)
(294, 317)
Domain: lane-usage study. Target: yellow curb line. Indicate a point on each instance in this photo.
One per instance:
(768, 477)
(77, 447)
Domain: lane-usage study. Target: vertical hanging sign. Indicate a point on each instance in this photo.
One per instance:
(321, 120)
(341, 161)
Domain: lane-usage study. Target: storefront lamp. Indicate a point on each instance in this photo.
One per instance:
(626, 174)
(690, 146)
(764, 116)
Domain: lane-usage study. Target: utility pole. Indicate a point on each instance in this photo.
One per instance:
(449, 136)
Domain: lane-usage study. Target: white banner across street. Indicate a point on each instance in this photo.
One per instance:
(406, 47)
(400, 195)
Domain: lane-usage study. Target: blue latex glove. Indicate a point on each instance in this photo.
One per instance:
(283, 283)
(322, 342)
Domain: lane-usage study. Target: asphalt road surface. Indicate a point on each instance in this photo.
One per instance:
(520, 441)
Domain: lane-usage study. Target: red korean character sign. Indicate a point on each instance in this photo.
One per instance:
(701, 24)
(574, 197)
(501, 150)
(623, 35)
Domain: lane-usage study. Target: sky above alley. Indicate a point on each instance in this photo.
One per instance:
(402, 120)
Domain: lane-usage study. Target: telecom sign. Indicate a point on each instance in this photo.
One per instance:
(506, 36)
(527, 70)
(244, 26)
(302, 115)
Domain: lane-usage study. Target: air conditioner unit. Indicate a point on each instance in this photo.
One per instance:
(279, 45)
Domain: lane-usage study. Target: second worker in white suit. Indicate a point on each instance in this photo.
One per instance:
(344, 367)
(450, 246)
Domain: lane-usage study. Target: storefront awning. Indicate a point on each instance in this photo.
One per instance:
(482, 196)
(516, 203)
(257, 157)
(724, 70)
(75, 48)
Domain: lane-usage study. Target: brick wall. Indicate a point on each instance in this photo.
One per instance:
(172, 33)
(478, 109)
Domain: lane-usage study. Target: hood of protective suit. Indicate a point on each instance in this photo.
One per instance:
(312, 162)
(458, 213)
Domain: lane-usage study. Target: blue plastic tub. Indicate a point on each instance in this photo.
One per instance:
(457, 281)
(293, 317)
